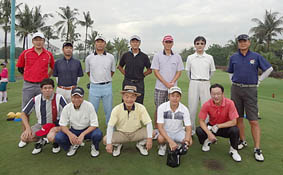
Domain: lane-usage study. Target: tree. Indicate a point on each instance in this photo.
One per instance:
(5, 20)
(267, 29)
(49, 34)
(91, 40)
(120, 46)
(79, 47)
(68, 21)
(109, 47)
(220, 54)
(87, 22)
(186, 52)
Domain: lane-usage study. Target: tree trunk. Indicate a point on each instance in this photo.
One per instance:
(85, 40)
(24, 43)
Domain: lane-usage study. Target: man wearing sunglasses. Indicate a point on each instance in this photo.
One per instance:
(200, 67)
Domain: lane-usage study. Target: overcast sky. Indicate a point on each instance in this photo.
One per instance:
(217, 20)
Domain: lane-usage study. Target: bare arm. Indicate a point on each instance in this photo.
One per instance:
(160, 78)
(203, 126)
(121, 69)
(176, 77)
(147, 72)
(227, 124)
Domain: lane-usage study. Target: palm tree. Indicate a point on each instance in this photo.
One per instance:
(73, 35)
(5, 20)
(69, 18)
(121, 46)
(87, 23)
(91, 40)
(109, 47)
(79, 47)
(269, 28)
(49, 32)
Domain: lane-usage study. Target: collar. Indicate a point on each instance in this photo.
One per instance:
(43, 49)
(52, 96)
(137, 53)
(198, 55)
(126, 109)
(240, 53)
(222, 105)
(104, 53)
(168, 107)
(165, 53)
(69, 59)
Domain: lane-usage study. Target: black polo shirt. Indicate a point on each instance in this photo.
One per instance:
(67, 71)
(135, 65)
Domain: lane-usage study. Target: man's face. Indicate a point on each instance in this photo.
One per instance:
(129, 99)
(47, 90)
(168, 45)
(100, 45)
(135, 44)
(77, 100)
(200, 45)
(68, 51)
(244, 44)
(174, 98)
(217, 95)
(38, 42)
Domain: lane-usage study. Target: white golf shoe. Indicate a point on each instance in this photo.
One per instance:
(235, 155)
(162, 150)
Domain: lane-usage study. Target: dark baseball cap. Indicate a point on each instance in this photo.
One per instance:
(78, 91)
(67, 43)
(243, 37)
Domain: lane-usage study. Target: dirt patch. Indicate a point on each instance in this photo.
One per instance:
(213, 164)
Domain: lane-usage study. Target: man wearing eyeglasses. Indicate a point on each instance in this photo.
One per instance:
(200, 68)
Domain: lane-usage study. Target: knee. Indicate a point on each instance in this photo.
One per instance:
(59, 137)
(160, 139)
(96, 134)
(234, 130)
(254, 123)
(199, 131)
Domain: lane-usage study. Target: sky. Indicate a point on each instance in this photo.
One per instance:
(217, 20)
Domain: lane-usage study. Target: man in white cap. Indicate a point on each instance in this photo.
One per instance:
(172, 117)
(135, 61)
(100, 67)
(34, 65)
(128, 118)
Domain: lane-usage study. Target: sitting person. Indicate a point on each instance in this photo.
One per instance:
(48, 107)
(222, 121)
(170, 118)
(81, 118)
(127, 118)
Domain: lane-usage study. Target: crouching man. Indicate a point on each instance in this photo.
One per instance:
(170, 118)
(48, 106)
(81, 117)
(127, 118)
(222, 121)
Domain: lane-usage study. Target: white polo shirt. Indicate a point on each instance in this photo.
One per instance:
(173, 121)
(100, 67)
(80, 118)
(200, 66)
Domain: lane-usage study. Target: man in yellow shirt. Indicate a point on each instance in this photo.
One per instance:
(128, 118)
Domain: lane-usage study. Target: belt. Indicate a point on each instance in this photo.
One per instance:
(133, 81)
(104, 83)
(244, 85)
(200, 79)
(67, 88)
(32, 82)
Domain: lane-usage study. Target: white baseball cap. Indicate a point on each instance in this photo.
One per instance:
(100, 37)
(175, 89)
(38, 34)
(135, 37)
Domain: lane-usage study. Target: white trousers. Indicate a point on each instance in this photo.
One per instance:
(65, 93)
(198, 91)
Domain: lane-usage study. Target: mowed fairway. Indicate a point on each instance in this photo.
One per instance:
(15, 161)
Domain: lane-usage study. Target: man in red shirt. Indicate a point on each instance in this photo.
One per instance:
(33, 64)
(222, 121)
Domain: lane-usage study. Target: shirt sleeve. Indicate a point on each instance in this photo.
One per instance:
(203, 113)
(64, 118)
(155, 62)
(113, 66)
(87, 66)
(230, 67)
(93, 116)
(145, 116)
(187, 119)
(55, 70)
(180, 63)
(52, 62)
(21, 60)
(80, 72)
(29, 107)
(160, 116)
(147, 62)
(113, 117)
(212, 65)
(263, 63)
(122, 60)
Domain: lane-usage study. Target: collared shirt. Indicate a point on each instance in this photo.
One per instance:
(100, 67)
(81, 118)
(35, 66)
(68, 71)
(245, 68)
(219, 114)
(129, 121)
(44, 108)
(167, 66)
(200, 66)
(135, 65)
(173, 121)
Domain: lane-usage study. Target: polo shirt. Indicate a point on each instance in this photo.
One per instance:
(245, 68)
(167, 66)
(79, 119)
(100, 67)
(46, 110)
(200, 66)
(35, 66)
(67, 71)
(173, 121)
(219, 114)
(129, 121)
(4, 75)
(135, 65)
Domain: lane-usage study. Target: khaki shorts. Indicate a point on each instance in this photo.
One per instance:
(123, 137)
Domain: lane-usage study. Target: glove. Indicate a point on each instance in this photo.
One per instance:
(214, 129)
(209, 127)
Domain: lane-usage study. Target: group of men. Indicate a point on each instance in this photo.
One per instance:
(174, 123)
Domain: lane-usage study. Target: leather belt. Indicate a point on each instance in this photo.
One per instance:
(244, 85)
(104, 83)
(133, 81)
(200, 79)
(67, 88)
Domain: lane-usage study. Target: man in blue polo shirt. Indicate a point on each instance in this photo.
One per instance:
(67, 72)
(243, 69)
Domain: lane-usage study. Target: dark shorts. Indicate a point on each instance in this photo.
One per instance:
(3, 86)
(245, 99)
(160, 96)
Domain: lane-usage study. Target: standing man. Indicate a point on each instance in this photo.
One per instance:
(100, 67)
(243, 69)
(135, 61)
(33, 64)
(167, 68)
(200, 67)
(67, 71)
(222, 121)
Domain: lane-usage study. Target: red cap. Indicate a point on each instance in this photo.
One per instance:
(45, 129)
(168, 38)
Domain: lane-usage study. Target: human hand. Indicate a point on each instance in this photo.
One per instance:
(173, 145)
(109, 148)
(214, 129)
(148, 144)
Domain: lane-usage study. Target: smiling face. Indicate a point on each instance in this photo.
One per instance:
(244, 44)
(129, 99)
(100, 45)
(77, 100)
(217, 95)
(38, 42)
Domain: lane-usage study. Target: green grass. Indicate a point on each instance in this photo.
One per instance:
(20, 161)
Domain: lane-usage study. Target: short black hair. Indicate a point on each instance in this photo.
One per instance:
(47, 81)
(217, 86)
(200, 38)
